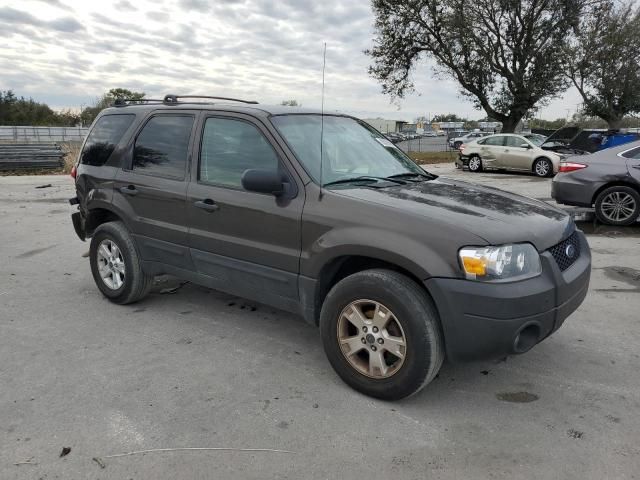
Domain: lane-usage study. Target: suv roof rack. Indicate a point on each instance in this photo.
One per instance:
(175, 100)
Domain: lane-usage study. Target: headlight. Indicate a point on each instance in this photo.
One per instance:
(507, 262)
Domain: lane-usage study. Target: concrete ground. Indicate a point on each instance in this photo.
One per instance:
(196, 368)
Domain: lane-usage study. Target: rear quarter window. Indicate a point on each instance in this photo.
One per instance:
(104, 138)
(634, 154)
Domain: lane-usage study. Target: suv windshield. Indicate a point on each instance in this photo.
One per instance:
(350, 149)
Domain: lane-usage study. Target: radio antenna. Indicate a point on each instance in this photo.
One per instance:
(324, 64)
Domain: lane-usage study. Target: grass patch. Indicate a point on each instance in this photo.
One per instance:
(428, 158)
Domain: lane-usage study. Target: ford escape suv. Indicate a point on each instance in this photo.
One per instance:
(321, 215)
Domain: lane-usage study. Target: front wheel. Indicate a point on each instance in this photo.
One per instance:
(475, 164)
(116, 266)
(618, 205)
(381, 334)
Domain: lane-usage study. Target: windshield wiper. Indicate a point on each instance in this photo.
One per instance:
(365, 178)
(407, 175)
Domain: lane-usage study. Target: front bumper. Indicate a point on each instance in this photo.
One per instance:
(490, 320)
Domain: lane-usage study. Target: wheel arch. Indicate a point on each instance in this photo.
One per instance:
(100, 214)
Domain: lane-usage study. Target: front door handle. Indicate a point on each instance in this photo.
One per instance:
(129, 190)
(636, 166)
(208, 205)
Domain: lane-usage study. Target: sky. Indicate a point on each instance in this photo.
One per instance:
(66, 53)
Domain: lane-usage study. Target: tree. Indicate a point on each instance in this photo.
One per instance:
(23, 111)
(450, 117)
(505, 54)
(290, 103)
(90, 113)
(604, 62)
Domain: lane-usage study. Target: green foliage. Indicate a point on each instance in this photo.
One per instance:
(23, 111)
(604, 61)
(449, 117)
(507, 55)
(107, 100)
(290, 103)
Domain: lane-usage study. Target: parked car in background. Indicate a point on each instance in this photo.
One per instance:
(608, 180)
(574, 140)
(397, 267)
(430, 134)
(508, 151)
(456, 142)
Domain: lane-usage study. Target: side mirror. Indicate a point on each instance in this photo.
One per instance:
(525, 145)
(263, 181)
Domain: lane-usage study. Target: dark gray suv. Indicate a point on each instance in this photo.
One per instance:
(322, 216)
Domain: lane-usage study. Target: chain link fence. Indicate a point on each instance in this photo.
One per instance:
(425, 144)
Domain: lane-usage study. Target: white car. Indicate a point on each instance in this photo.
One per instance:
(509, 152)
(469, 137)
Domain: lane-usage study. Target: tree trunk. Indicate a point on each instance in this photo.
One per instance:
(614, 123)
(510, 123)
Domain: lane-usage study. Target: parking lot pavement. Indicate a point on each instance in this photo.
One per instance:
(196, 368)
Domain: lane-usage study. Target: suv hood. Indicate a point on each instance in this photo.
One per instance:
(497, 216)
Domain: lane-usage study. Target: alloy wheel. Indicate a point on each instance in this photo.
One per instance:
(111, 264)
(542, 168)
(371, 339)
(474, 164)
(618, 206)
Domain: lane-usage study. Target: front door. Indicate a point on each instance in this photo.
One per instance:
(515, 156)
(246, 243)
(151, 190)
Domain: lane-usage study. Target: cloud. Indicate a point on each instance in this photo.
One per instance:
(264, 49)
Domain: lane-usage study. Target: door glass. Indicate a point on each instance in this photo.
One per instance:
(494, 141)
(161, 148)
(229, 148)
(515, 142)
(103, 138)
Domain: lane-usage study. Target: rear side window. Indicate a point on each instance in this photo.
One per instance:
(104, 138)
(515, 141)
(229, 148)
(633, 154)
(162, 146)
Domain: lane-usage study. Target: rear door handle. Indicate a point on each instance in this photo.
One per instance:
(208, 205)
(636, 166)
(129, 190)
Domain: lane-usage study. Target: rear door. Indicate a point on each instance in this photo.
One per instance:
(151, 188)
(492, 151)
(246, 243)
(515, 156)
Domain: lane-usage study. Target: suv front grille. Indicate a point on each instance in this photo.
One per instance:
(566, 252)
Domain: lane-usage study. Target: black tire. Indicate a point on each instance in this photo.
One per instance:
(623, 193)
(417, 315)
(475, 165)
(136, 283)
(543, 167)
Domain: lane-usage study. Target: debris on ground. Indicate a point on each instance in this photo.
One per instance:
(48, 185)
(173, 290)
(65, 451)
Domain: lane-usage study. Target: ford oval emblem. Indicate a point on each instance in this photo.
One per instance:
(570, 251)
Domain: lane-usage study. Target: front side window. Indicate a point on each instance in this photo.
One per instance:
(231, 147)
(103, 138)
(162, 146)
(494, 141)
(515, 142)
(349, 148)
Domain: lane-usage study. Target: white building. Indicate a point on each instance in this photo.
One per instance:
(385, 126)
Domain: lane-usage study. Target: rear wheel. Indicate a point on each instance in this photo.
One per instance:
(116, 266)
(381, 333)
(475, 163)
(618, 205)
(543, 167)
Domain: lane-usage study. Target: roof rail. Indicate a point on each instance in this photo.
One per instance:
(175, 100)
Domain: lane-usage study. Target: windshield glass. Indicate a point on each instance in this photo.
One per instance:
(350, 149)
(537, 140)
